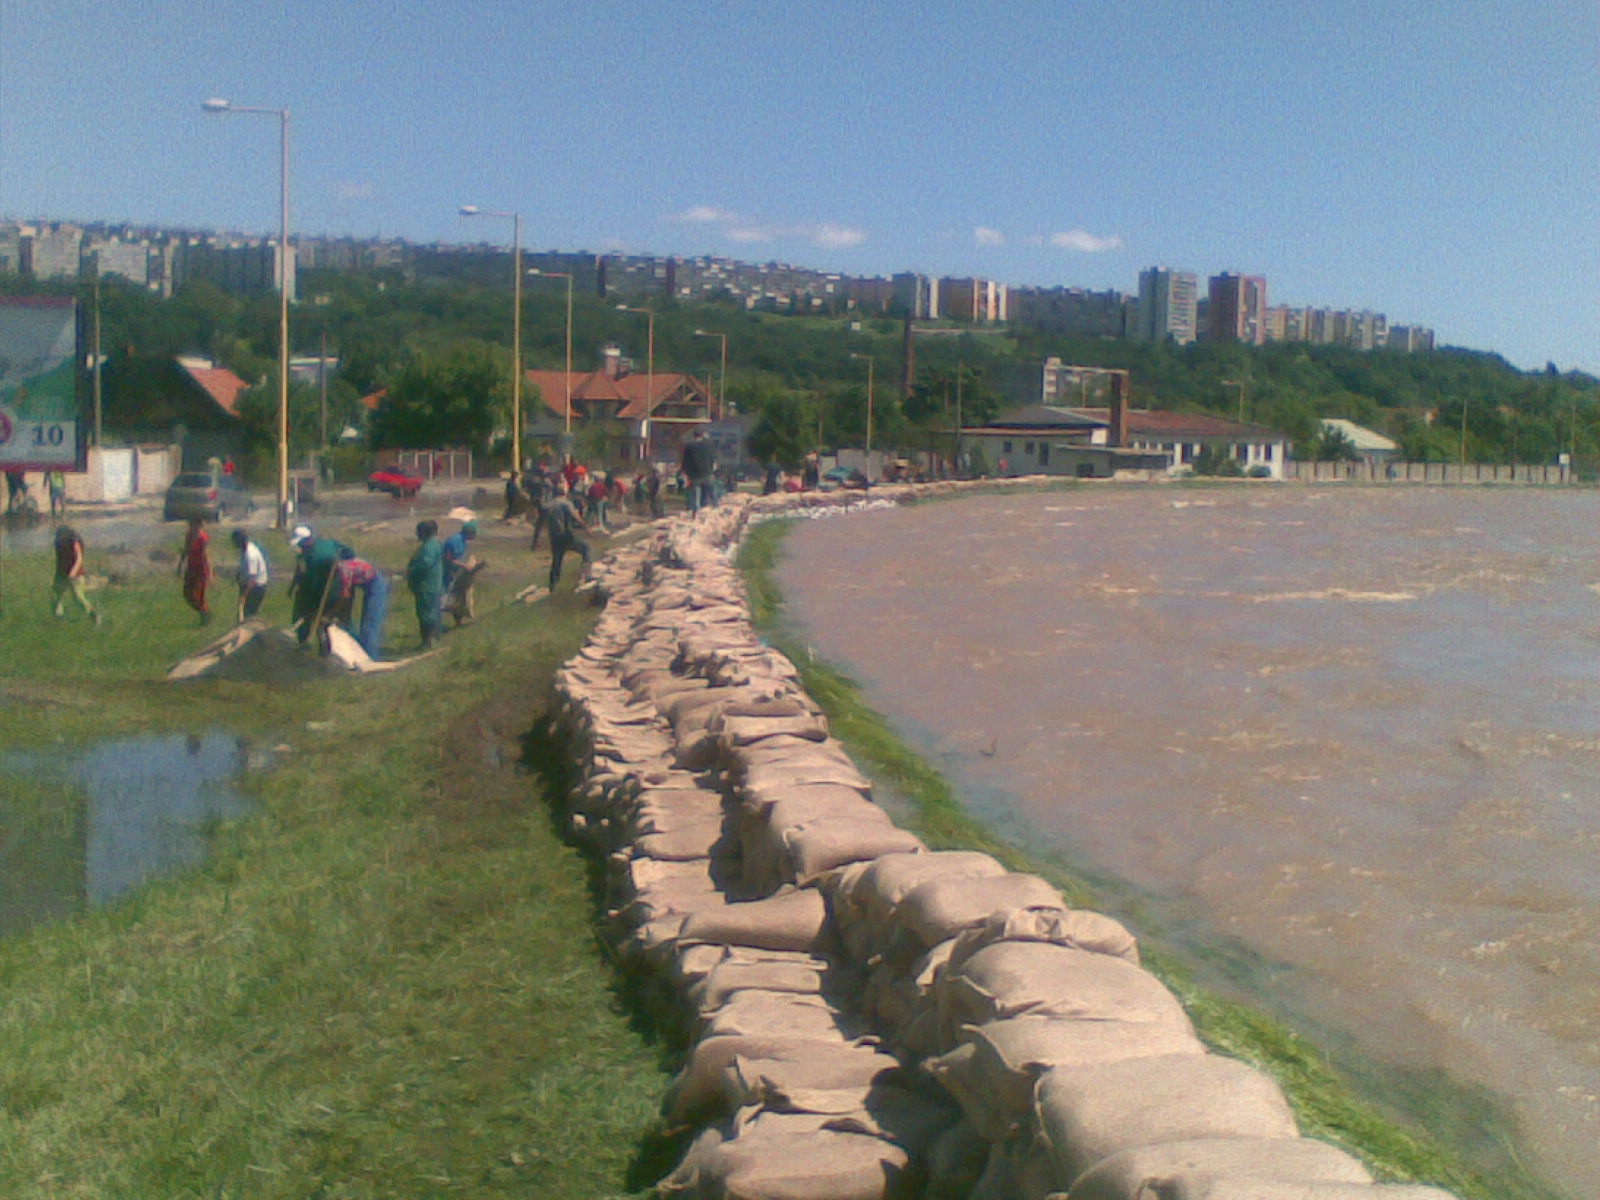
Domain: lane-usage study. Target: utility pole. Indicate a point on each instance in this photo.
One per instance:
(98, 408)
(322, 383)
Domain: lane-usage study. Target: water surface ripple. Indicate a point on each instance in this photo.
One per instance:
(1355, 729)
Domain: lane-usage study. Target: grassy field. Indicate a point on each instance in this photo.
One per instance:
(1433, 1134)
(384, 983)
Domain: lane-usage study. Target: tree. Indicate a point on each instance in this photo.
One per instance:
(258, 414)
(453, 396)
(785, 431)
(1215, 460)
(1331, 444)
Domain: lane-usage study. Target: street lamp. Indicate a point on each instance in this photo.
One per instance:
(567, 275)
(871, 366)
(1241, 384)
(224, 107)
(722, 373)
(472, 210)
(649, 370)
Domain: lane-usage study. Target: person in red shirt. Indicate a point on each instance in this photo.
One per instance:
(194, 568)
(70, 573)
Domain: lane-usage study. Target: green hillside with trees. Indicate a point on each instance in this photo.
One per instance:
(441, 347)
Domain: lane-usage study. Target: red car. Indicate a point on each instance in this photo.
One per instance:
(394, 481)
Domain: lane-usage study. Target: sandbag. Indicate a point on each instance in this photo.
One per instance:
(1061, 926)
(1129, 1174)
(809, 769)
(811, 976)
(795, 1014)
(680, 896)
(708, 1081)
(822, 1165)
(1010, 979)
(701, 839)
(993, 1071)
(737, 732)
(798, 805)
(877, 890)
(941, 908)
(1091, 1111)
(1262, 1189)
(791, 920)
(811, 848)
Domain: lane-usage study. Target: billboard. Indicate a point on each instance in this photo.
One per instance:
(41, 418)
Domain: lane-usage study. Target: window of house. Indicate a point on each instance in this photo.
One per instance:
(1027, 447)
(1005, 447)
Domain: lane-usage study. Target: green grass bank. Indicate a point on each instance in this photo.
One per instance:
(384, 983)
(1430, 1134)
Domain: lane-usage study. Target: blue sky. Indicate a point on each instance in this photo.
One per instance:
(1438, 161)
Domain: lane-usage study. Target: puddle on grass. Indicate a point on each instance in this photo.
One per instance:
(79, 829)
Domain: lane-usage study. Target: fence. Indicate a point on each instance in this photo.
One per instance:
(1427, 472)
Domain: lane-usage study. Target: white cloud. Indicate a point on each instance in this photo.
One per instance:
(352, 189)
(827, 234)
(982, 235)
(1084, 242)
(835, 237)
(704, 214)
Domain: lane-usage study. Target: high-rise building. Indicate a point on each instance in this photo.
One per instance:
(1070, 310)
(1166, 306)
(1238, 310)
(52, 253)
(980, 300)
(1410, 338)
(916, 296)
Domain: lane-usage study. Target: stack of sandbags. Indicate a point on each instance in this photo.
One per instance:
(868, 1018)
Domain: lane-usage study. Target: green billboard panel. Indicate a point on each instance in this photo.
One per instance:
(41, 419)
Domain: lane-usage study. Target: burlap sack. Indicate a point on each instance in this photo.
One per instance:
(821, 1165)
(877, 890)
(1063, 927)
(791, 920)
(942, 908)
(1088, 1112)
(992, 1072)
(1010, 979)
(1131, 1174)
(794, 1014)
(686, 843)
(708, 1082)
(811, 848)
(807, 976)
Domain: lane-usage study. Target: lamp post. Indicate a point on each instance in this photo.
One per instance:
(472, 210)
(722, 372)
(567, 275)
(224, 107)
(871, 366)
(1241, 384)
(649, 369)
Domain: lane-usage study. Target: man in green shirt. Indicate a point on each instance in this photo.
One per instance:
(425, 577)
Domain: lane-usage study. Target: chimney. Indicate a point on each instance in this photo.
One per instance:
(1117, 435)
(611, 362)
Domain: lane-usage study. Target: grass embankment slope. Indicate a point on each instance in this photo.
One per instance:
(385, 981)
(1327, 1104)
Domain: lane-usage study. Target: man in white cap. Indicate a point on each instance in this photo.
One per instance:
(317, 560)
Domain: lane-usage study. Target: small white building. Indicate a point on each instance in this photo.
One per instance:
(1371, 445)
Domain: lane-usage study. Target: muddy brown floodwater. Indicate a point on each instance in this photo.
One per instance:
(1354, 730)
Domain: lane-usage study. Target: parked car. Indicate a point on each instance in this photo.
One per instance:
(842, 477)
(394, 481)
(209, 497)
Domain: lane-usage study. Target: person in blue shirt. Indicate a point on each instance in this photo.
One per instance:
(460, 569)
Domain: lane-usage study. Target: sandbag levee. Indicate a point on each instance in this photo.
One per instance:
(870, 1018)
